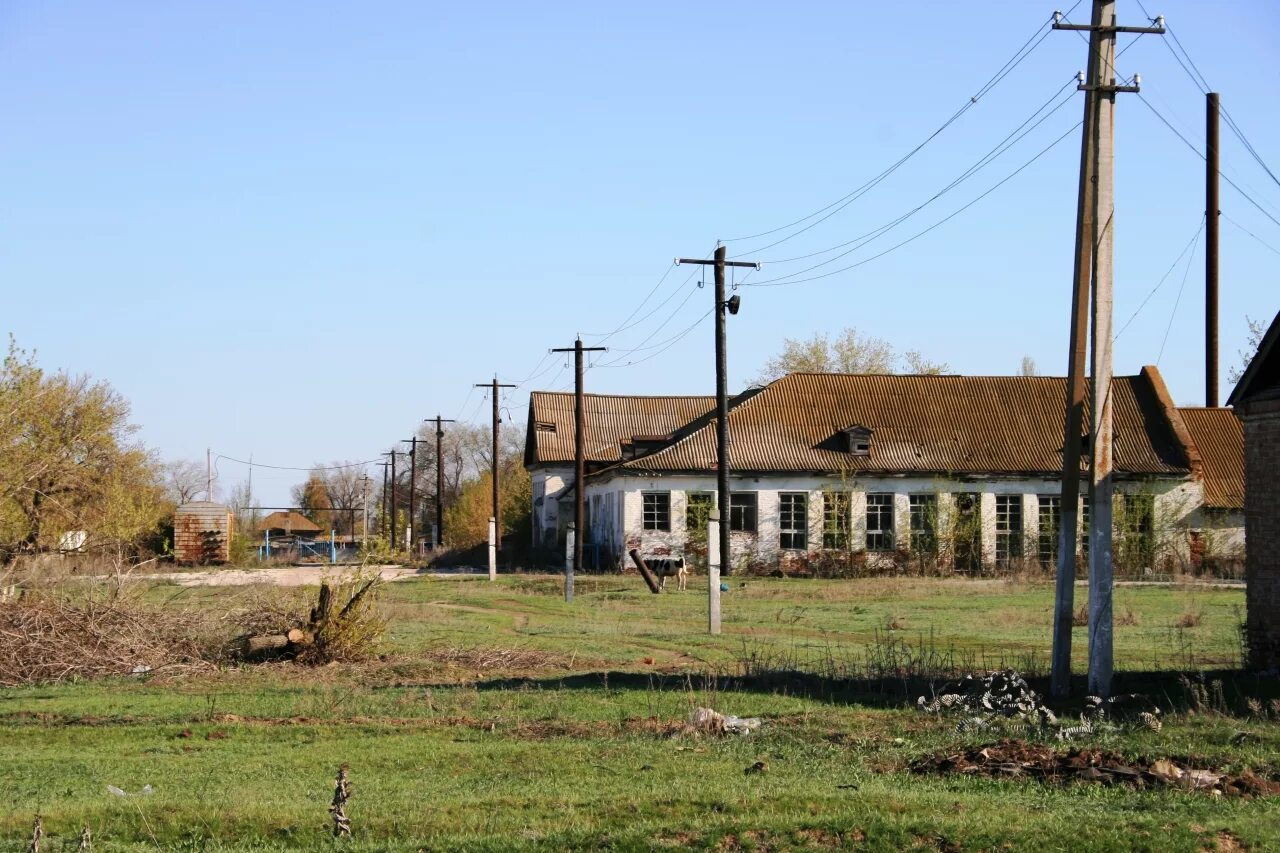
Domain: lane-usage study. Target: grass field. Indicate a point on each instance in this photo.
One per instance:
(501, 718)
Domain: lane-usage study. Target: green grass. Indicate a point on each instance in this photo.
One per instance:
(502, 718)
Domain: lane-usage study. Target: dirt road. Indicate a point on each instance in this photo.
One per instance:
(283, 576)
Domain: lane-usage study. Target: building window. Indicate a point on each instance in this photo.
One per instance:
(794, 521)
(1050, 529)
(966, 532)
(657, 510)
(1138, 530)
(698, 511)
(836, 518)
(742, 511)
(924, 523)
(1008, 528)
(880, 522)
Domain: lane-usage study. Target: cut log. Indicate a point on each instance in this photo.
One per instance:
(261, 645)
(644, 571)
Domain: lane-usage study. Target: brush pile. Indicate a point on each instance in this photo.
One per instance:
(47, 639)
(1003, 702)
(325, 634)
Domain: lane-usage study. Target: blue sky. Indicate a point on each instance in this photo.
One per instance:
(294, 230)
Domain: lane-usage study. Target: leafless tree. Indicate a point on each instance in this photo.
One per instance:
(1028, 366)
(850, 352)
(1256, 331)
(184, 480)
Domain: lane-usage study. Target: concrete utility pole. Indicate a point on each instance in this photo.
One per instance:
(384, 496)
(497, 422)
(439, 538)
(394, 543)
(1096, 221)
(722, 426)
(410, 533)
(579, 464)
(1212, 215)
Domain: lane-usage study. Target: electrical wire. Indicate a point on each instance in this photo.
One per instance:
(839, 204)
(1250, 233)
(1186, 273)
(782, 282)
(217, 456)
(1160, 283)
(1004, 145)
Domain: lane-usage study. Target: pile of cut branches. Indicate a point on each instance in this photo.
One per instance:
(324, 634)
(45, 638)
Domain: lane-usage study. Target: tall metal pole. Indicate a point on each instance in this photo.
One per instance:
(1101, 483)
(497, 425)
(579, 464)
(1212, 214)
(722, 428)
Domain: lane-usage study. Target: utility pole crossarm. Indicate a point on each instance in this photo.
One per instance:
(712, 262)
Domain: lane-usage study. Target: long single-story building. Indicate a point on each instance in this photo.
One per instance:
(962, 471)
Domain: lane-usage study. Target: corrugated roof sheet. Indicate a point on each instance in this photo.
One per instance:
(1219, 436)
(610, 420)
(924, 424)
(291, 521)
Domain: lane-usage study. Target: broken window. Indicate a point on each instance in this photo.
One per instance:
(966, 532)
(1050, 529)
(698, 510)
(858, 441)
(836, 518)
(924, 523)
(880, 522)
(1138, 531)
(742, 512)
(1084, 526)
(794, 521)
(1008, 528)
(657, 510)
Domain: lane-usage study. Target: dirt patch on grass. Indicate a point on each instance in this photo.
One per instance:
(1013, 759)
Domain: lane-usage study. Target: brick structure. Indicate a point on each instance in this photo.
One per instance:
(1257, 400)
(202, 533)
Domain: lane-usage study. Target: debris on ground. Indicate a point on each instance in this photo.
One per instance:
(711, 722)
(758, 767)
(329, 633)
(1002, 701)
(338, 807)
(1014, 759)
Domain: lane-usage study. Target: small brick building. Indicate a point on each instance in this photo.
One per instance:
(1256, 399)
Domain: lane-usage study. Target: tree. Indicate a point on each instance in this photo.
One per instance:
(850, 352)
(311, 498)
(344, 486)
(1028, 366)
(1254, 340)
(184, 480)
(68, 463)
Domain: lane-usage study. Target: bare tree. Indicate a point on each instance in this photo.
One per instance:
(184, 480)
(850, 352)
(345, 488)
(1028, 366)
(1256, 331)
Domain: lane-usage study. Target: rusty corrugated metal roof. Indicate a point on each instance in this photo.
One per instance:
(924, 424)
(611, 420)
(292, 522)
(1219, 436)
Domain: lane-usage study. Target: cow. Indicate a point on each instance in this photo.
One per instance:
(665, 567)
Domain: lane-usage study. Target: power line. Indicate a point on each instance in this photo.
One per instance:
(1177, 300)
(294, 467)
(839, 204)
(1160, 283)
(1251, 234)
(1001, 147)
(780, 282)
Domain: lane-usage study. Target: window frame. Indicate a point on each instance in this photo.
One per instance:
(661, 516)
(1009, 534)
(694, 501)
(922, 507)
(1048, 541)
(796, 531)
(881, 538)
(837, 520)
(738, 513)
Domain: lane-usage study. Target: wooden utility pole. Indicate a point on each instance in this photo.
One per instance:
(1096, 221)
(1211, 214)
(394, 542)
(722, 426)
(497, 422)
(410, 532)
(579, 464)
(384, 497)
(439, 538)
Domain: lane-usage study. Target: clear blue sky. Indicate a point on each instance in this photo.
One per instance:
(297, 229)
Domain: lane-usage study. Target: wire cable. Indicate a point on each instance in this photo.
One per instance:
(217, 456)
(839, 204)
(1177, 300)
(1250, 233)
(1160, 283)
